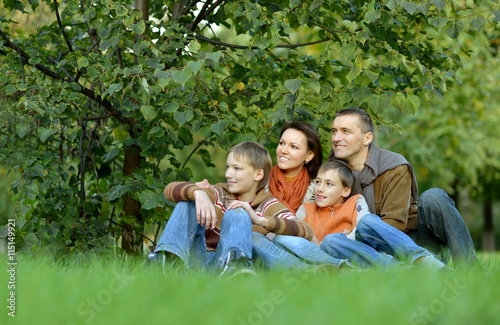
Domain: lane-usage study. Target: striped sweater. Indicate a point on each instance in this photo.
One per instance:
(281, 220)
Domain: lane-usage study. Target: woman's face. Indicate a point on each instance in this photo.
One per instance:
(292, 152)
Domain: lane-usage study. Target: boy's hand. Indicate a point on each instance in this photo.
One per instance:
(204, 183)
(256, 220)
(205, 210)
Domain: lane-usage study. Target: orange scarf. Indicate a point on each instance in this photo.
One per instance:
(289, 193)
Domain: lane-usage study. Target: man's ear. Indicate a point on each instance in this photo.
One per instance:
(346, 192)
(259, 175)
(368, 138)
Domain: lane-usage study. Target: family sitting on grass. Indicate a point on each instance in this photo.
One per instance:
(357, 210)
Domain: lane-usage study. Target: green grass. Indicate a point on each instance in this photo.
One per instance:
(131, 292)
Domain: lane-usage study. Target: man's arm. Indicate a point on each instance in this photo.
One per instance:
(393, 196)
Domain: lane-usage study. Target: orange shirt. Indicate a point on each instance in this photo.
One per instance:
(329, 220)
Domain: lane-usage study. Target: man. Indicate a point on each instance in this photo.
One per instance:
(388, 183)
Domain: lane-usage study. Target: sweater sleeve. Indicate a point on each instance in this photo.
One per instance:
(184, 191)
(362, 209)
(284, 222)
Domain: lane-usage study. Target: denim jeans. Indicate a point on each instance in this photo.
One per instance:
(290, 252)
(358, 253)
(440, 226)
(184, 237)
(376, 244)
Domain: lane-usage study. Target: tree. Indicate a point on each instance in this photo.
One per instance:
(463, 143)
(102, 94)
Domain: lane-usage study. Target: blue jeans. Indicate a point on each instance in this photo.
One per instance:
(184, 237)
(440, 226)
(374, 237)
(290, 252)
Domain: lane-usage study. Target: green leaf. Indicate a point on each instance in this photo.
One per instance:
(379, 103)
(316, 4)
(83, 62)
(293, 85)
(139, 27)
(149, 199)
(21, 129)
(214, 56)
(89, 13)
(35, 171)
(114, 88)
(183, 117)
(171, 107)
(121, 11)
(219, 127)
(195, 66)
(361, 94)
(438, 22)
(414, 103)
(182, 76)
(355, 71)
(455, 29)
(391, 4)
(44, 133)
(111, 154)
(148, 112)
(439, 4)
(372, 15)
(478, 23)
(410, 7)
(314, 85)
(497, 16)
(117, 192)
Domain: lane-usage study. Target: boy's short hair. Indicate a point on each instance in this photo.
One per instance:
(257, 156)
(345, 172)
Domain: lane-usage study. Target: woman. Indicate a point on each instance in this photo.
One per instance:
(299, 156)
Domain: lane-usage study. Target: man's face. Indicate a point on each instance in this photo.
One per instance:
(348, 141)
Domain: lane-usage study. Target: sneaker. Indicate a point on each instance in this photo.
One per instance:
(152, 257)
(165, 259)
(237, 263)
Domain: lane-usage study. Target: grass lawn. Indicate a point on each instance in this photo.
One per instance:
(131, 292)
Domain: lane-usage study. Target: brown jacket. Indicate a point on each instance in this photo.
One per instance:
(393, 200)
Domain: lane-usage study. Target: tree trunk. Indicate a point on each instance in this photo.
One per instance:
(488, 231)
(130, 242)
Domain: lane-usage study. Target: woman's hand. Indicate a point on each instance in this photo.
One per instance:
(206, 215)
(204, 183)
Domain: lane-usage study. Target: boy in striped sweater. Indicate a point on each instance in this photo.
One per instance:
(212, 227)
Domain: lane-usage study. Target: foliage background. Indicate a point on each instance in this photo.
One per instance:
(105, 102)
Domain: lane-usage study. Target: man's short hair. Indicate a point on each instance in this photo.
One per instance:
(257, 156)
(345, 172)
(365, 121)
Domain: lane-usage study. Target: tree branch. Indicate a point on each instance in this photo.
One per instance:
(85, 91)
(61, 27)
(96, 118)
(202, 38)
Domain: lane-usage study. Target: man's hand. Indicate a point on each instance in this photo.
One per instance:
(205, 209)
(256, 220)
